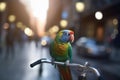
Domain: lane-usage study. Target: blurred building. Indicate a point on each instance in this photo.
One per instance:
(90, 26)
(100, 20)
(79, 15)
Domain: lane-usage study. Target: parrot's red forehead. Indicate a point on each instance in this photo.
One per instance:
(71, 32)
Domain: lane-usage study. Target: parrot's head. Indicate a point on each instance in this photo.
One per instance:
(65, 36)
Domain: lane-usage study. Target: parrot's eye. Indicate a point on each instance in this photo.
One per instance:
(68, 34)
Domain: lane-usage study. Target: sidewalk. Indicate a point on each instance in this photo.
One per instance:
(16, 66)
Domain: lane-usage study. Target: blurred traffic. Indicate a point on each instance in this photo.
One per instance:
(90, 48)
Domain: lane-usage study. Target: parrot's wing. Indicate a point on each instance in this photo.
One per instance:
(70, 52)
(50, 48)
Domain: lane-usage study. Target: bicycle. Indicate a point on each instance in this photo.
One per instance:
(85, 68)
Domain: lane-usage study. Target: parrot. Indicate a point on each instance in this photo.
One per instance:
(61, 50)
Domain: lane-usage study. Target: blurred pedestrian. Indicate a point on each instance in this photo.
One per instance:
(37, 40)
(9, 43)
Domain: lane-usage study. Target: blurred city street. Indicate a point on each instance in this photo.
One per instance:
(27, 28)
(16, 65)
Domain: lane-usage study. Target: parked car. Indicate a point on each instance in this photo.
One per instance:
(89, 48)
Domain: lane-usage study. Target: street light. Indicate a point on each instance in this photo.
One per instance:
(115, 21)
(19, 24)
(63, 23)
(54, 29)
(98, 15)
(2, 6)
(80, 6)
(12, 18)
(3, 12)
(28, 31)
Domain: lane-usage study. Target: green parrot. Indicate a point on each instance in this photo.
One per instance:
(61, 50)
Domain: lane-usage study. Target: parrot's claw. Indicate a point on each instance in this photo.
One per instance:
(67, 62)
(52, 61)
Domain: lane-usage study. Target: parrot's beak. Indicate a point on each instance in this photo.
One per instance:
(71, 36)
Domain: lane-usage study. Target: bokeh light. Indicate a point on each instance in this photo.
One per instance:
(43, 42)
(5, 26)
(12, 18)
(28, 32)
(2, 6)
(115, 21)
(19, 24)
(54, 29)
(98, 15)
(80, 6)
(63, 23)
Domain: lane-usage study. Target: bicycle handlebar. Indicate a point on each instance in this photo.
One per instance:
(85, 67)
(54, 62)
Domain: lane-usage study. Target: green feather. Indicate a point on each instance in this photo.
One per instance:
(61, 51)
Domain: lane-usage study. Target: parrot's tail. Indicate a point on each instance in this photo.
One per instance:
(65, 73)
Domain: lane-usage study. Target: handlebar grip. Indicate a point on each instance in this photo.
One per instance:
(35, 63)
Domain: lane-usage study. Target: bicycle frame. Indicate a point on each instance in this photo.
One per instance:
(86, 68)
